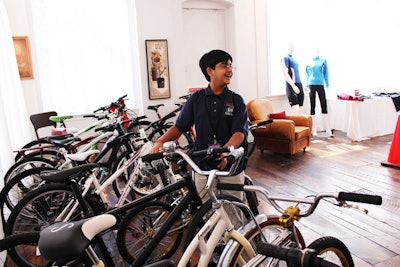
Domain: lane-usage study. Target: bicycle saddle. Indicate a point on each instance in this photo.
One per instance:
(66, 241)
(155, 107)
(61, 175)
(64, 142)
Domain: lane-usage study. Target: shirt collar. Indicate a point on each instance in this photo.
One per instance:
(208, 91)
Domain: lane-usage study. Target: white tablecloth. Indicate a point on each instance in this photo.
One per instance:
(361, 120)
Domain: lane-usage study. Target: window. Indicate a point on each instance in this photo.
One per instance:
(356, 38)
(84, 53)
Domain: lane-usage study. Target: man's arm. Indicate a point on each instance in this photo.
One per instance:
(172, 134)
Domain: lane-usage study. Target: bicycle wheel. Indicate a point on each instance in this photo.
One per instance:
(17, 188)
(203, 214)
(235, 255)
(333, 250)
(26, 164)
(149, 179)
(23, 244)
(46, 205)
(140, 225)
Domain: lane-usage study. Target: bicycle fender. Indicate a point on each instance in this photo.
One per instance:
(232, 245)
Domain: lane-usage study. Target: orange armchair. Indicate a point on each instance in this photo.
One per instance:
(286, 136)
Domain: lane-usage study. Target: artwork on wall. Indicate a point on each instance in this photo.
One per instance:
(157, 69)
(23, 54)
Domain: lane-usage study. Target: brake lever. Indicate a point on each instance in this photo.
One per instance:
(353, 206)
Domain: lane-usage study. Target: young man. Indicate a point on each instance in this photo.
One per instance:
(218, 114)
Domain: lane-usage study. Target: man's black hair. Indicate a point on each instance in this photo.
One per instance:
(211, 59)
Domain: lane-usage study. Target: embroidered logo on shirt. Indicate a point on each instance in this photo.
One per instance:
(229, 109)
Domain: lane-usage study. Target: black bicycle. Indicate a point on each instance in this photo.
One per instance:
(157, 239)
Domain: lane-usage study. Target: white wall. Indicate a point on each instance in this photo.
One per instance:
(19, 22)
(162, 19)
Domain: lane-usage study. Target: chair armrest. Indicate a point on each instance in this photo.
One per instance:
(301, 120)
(279, 129)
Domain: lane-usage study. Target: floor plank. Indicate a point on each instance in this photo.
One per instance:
(338, 164)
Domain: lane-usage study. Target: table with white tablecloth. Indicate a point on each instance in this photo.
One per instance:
(363, 119)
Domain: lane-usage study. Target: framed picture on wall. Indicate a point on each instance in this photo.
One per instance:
(23, 54)
(157, 69)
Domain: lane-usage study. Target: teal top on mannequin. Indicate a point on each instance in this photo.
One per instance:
(317, 72)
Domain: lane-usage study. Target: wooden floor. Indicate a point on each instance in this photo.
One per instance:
(337, 164)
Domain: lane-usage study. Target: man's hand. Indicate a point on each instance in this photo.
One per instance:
(223, 160)
(157, 147)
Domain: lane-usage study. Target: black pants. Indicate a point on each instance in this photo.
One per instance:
(295, 99)
(322, 98)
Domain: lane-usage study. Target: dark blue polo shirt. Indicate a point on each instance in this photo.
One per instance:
(216, 118)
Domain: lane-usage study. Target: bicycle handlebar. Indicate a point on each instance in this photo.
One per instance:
(118, 125)
(115, 104)
(211, 151)
(298, 257)
(313, 202)
(261, 123)
(170, 150)
(122, 98)
(362, 198)
(208, 151)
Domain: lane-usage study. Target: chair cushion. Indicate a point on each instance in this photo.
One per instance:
(301, 132)
(279, 115)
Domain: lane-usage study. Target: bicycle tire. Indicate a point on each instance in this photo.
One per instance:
(17, 188)
(202, 215)
(26, 164)
(137, 228)
(41, 207)
(271, 228)
(334, 250)
(26, 244)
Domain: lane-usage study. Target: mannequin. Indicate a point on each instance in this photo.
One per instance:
(294, 87)
(317, 78)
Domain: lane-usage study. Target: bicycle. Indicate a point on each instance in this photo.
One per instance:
(160, 126)
(20, 185)
(42, 146)
(284, 232)
(33, 209)
(67, 243)
(46, 151)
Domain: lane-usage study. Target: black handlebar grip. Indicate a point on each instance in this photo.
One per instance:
(262, 123)
(210, 150)
(152, 156)
(363, 198)
(122, 97)
(282, 253)
(89, 116)
(233, 187)
(141, 117)
(298, 257)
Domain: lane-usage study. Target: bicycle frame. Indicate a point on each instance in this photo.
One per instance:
(92, 180)
(219, 224)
